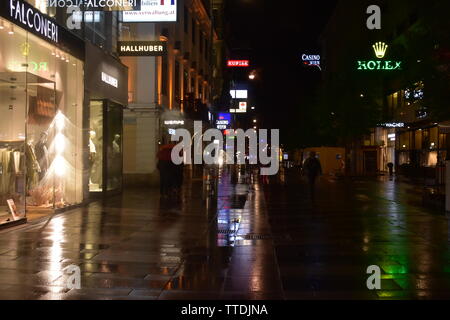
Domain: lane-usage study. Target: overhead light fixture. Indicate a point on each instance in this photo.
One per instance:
(11, 29)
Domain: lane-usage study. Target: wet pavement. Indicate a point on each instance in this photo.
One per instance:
(249, 242)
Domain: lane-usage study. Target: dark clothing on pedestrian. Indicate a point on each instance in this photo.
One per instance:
(312, 169)
(390, 166)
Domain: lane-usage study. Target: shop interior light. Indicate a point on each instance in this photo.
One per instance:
(57, 54)
(53, 53)
(11, 29)
(60, 143)
(60, 168)
(60, 121)
(2, 26)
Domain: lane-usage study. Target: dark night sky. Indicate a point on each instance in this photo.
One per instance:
(277, 33)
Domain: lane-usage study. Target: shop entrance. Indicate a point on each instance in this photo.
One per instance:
(105, 148)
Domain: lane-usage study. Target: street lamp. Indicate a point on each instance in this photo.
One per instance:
(252, 76)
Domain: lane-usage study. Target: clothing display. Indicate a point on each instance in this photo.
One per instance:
(12, 164)
(42, 157)
(33, 168)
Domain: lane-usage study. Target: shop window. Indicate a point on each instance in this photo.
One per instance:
(164, 75)
(433, 143)
(41, 162)
(96, 147)
(177, 81)
(114, 147)
(186, 20)
(418, 139)
(404, 141)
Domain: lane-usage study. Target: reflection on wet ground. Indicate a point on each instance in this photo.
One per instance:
(248, 243)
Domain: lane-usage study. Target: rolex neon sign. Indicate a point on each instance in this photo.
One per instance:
(380, 49)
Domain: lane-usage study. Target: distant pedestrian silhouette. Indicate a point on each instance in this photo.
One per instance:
(312, 169)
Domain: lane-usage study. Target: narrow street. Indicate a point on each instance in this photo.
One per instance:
(251, 242)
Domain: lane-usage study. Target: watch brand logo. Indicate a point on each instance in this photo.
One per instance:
(380, 49)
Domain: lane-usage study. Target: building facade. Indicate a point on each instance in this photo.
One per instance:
(401, 100)
(49, 94)
(168, 91)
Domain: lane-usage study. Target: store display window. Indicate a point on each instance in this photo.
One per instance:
(41, 107)
(105, 145)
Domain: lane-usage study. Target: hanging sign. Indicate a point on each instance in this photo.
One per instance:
(142, 48)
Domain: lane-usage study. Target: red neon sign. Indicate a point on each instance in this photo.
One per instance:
(238, 63)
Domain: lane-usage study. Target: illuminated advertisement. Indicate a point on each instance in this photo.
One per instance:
(153, 11)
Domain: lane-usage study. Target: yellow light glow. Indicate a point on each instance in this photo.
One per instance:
(380, 49)
(60, 143)
(59, 166)
(60, 121)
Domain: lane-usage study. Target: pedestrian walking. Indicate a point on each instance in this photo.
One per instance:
(390, 166)
(312, 169)
(166, 172)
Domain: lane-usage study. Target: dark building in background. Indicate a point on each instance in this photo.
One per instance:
(389, 116)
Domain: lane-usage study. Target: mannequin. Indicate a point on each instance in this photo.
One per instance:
(116, 145)
(42, 154)
(33, 168)
(92, 153)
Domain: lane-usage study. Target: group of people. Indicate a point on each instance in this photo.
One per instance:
(171, 175)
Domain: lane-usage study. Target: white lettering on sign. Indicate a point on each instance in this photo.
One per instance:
(238, 63)
(142, 49)
(174, 122)
(34, 20)
(106, 78)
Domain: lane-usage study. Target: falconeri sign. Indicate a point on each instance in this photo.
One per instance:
(142, 48)
(28, 17)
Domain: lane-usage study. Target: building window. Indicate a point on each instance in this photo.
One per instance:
(177, 81)
(41, 128)
(194, 30)
(164, 75)
(186, 20)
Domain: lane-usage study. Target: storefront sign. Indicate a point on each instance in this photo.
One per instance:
(142, 48)
(106, 78)
(32, 20)
(223, 121)
(239, 94)
(21, 13)
(379, 65)
(311, 60)
(393, 125)
(379, 49)
(153, 11)
(174, 122)
(238, 63)
(97, 5)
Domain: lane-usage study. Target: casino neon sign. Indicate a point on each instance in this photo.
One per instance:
(380, 49)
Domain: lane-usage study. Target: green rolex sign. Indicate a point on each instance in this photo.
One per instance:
(380, 49)
(379, 65)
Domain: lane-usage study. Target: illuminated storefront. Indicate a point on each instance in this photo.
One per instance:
(107, 93)
(41, 103)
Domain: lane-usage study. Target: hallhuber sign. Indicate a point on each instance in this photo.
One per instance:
(142, 48)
